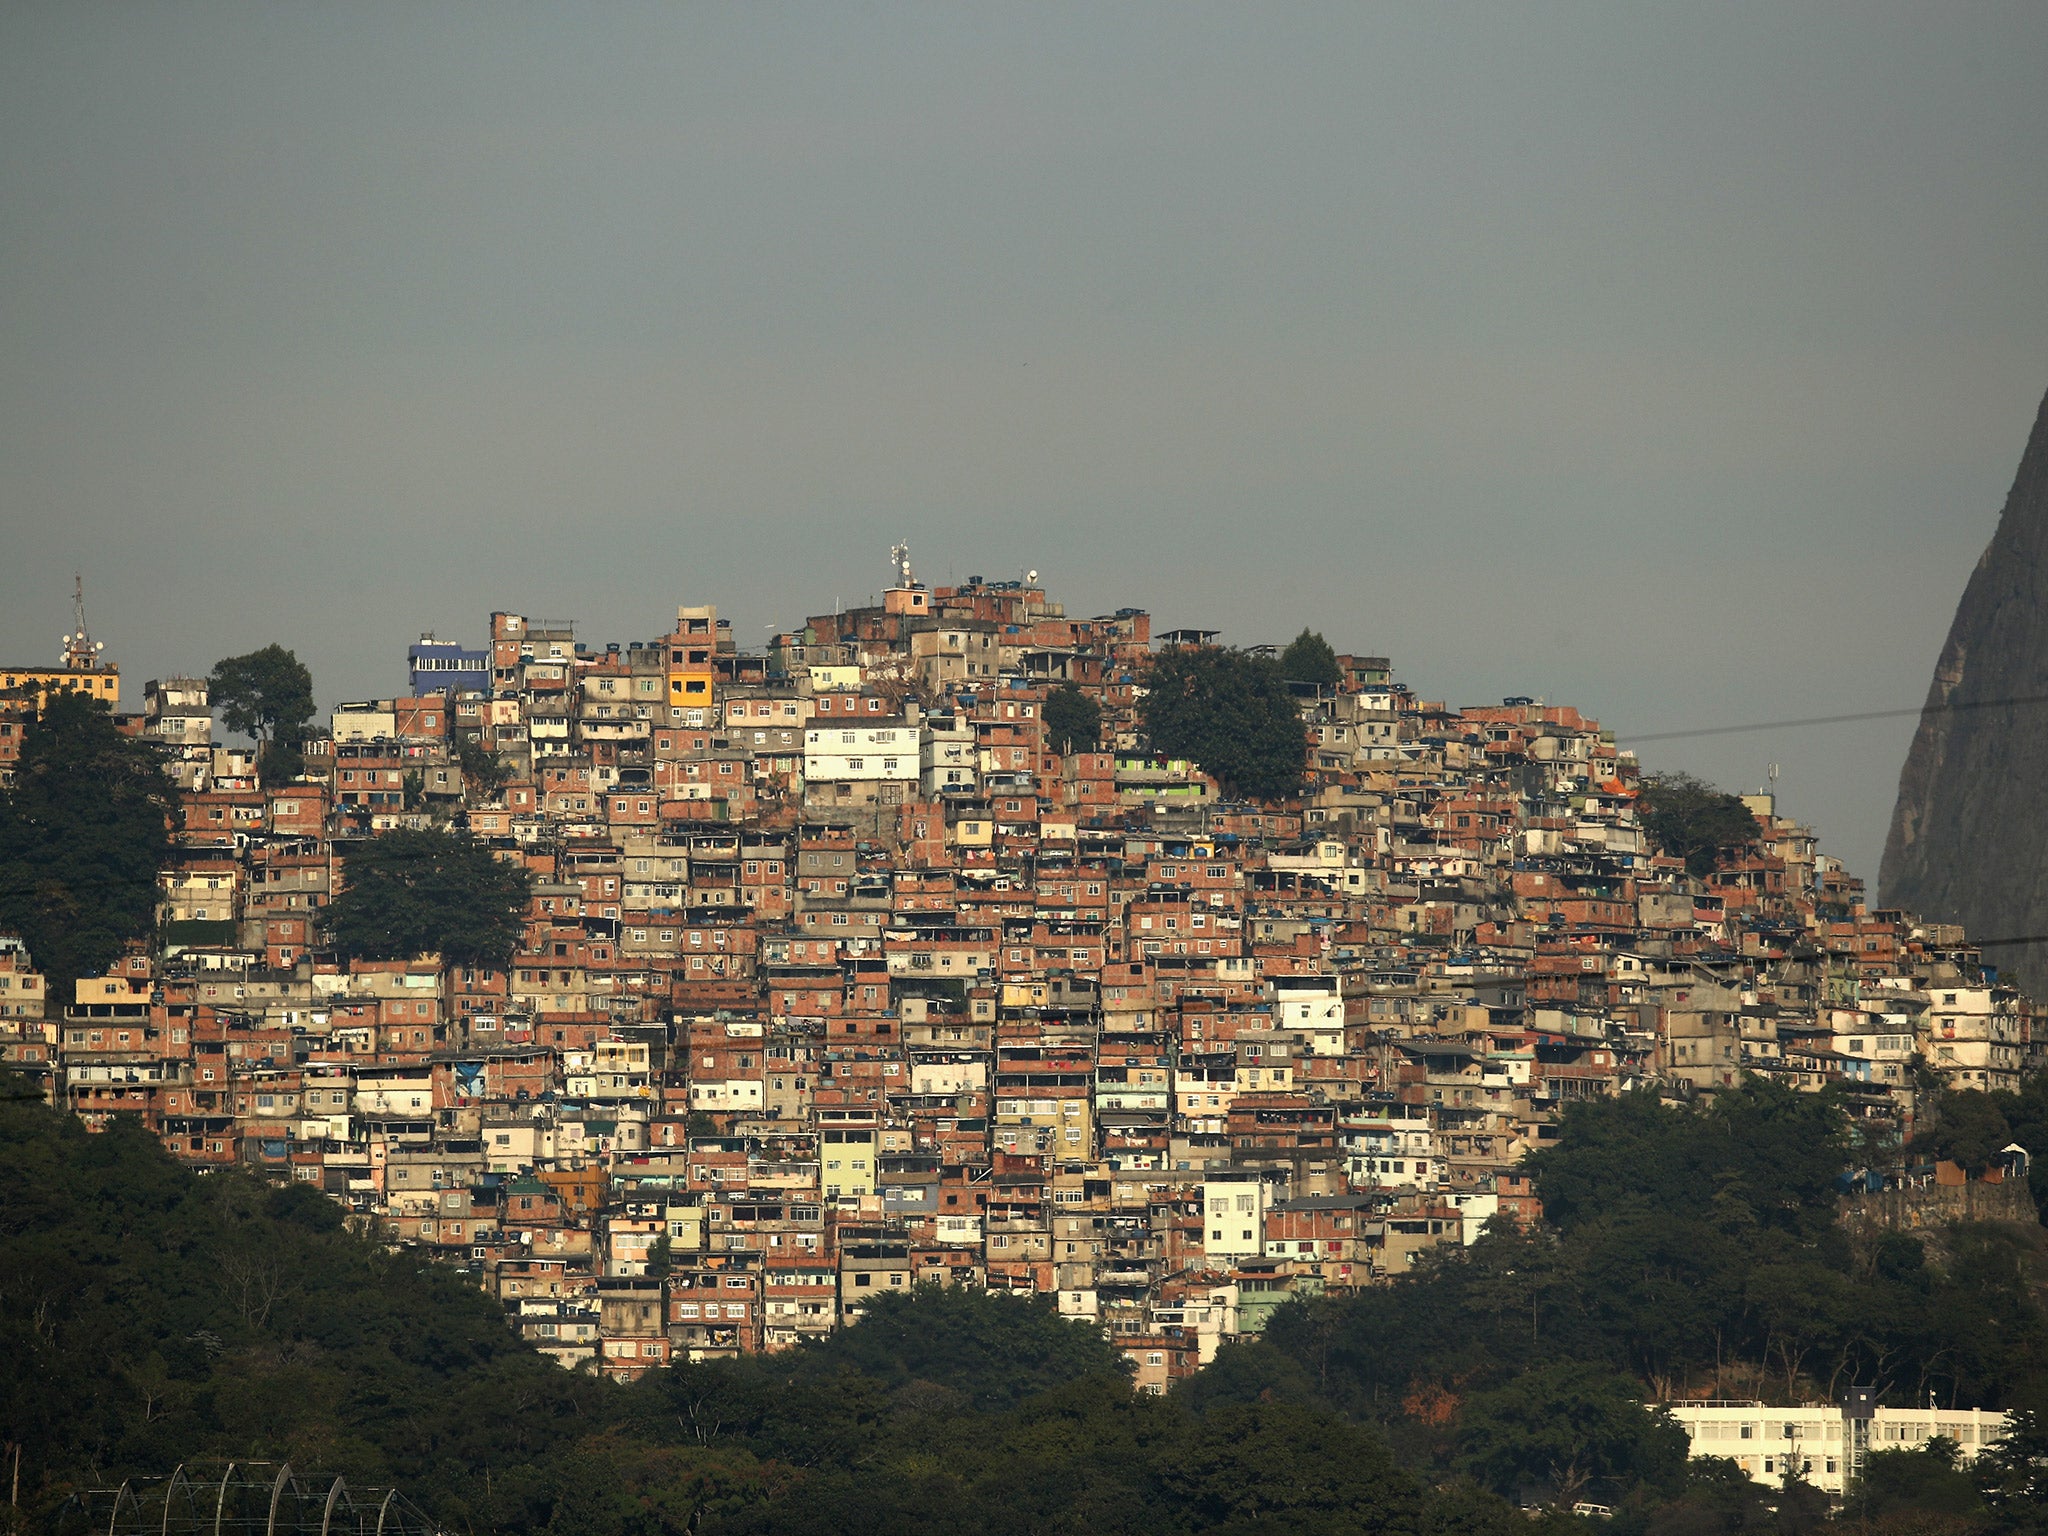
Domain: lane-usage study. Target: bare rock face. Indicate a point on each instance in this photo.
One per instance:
(1969, 835)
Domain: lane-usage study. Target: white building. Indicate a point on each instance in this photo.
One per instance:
(1816, 1440)
(860, 764)
(371, 721)
(948, 759)
(1974, 1037)
(1391, 1153)
(1234, 1217)
(1313, 1005)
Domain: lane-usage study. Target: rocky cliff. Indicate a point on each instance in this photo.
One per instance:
(1969, 835)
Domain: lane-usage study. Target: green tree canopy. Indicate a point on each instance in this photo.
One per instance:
(1568, 1425)
(1720, 1499)
(483, 775)
(1278, 1467)
(1968, 1128)
(267, 694)
(1929, 1481)
(416, 893)
(83, 832)
(1762, 1155)
(1309, 659)
(1230, 712)
(993, 1349)
(1691, 820)
(2012, 1474)
(1073, 721)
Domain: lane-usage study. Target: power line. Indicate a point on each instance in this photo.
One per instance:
(1869, 714)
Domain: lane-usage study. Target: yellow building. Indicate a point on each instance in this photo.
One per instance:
(101, 681)
(835, 679)
(692, 656)
(850, 1158)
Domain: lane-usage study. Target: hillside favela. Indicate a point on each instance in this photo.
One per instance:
(965, 1065)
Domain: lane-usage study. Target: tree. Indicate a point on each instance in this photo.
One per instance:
(1568, 1425)
(1927, 1481)
(1248, 1370)
(1968, 1129)
(83, 832)
(1231, 713)
(994, 1349)
(267, 694)
(418, 893)
(1691, 820)
(1762, 1154)
(2014, 1471)
(1309, 659)
(483, 776)
(1073, 721)
(1271, 1466)
(1720, 1499)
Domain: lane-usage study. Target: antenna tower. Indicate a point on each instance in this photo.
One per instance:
(81, 651)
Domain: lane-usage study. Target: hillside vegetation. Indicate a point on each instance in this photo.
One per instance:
(150, 1316)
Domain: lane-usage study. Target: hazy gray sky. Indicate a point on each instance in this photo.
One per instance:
(1668, 360)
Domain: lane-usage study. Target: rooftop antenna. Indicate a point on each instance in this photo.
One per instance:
(81, 651)
(899, 556)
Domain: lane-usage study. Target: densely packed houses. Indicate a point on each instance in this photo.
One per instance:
(837, 980)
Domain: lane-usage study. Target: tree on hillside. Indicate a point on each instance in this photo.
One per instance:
(1274, 1467)
(1230, 712)
(1691, 820)
(1309, 659)
(1761, 1155)
(483, 776)
(267, 694)
(2012, 1474)
(1073, 721)
(994, 1349)
(149, 1316)
(83, 832)
(417, 893)
(1568, 1425)
(1967, 1128)
(1929, 1480)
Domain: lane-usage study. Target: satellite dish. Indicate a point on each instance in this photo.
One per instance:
(1031, 575)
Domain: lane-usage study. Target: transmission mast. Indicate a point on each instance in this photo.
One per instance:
(81, 651)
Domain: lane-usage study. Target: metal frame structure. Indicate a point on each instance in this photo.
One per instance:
(241, 1498)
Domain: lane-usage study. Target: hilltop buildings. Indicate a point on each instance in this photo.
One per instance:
(837, 981)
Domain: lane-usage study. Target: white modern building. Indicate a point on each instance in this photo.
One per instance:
(1818, 1441)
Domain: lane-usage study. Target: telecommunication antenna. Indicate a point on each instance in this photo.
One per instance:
(899, 556)
(81, 651)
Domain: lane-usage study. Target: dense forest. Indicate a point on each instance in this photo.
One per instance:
(150, 1316)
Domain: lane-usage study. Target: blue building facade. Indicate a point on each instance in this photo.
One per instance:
(446, 666)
